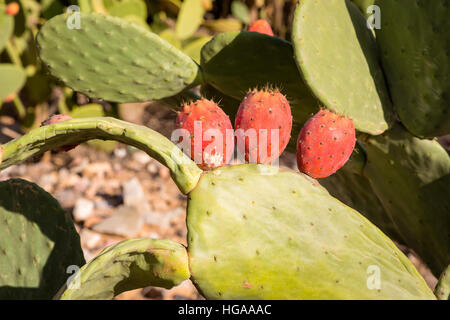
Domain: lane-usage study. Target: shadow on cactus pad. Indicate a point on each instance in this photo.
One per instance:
(38, 242)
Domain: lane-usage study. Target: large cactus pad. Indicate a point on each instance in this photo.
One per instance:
(113, 59)
(258, 233)
(411, 177)
(414, 40)
(337, 56)
(38, 242)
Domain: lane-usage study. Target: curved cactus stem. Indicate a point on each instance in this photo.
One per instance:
(442, 290)
(182, 169)
(129, 265)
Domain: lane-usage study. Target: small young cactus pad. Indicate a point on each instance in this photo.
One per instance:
(38, 242)
(288, 239)
(115, 60)
(12, 79)
(129, 265)
(337, 56)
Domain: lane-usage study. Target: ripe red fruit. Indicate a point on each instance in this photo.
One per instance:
(268, 113)
(55, 119)
(12, 9)
(261, 26)
(210, 132)
(324, 144)
(10, 97)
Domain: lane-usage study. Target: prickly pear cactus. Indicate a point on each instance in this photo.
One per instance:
(288, 240)
(327, 248)
(38, 242)
(411, 177)
(129, 265)
(338, 58)
(113, 59)
(414, 44)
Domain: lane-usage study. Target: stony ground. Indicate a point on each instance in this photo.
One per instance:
(122, 194)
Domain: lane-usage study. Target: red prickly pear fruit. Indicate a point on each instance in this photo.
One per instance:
(210, 132)
(324, 144)
(10, 97)
(55, 119)
(261, 26)
(12, 9)
(263, 125)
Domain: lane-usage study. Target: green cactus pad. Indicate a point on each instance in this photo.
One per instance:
(411, 177)
(415, 48)
(355, 191)
(129, 265)
(126, 8)
(256, 232)
(115, 60)
(189, 18)
(7, 26)
(235, 62)
(337, 56)
(12, 79)
(71, 132)
(38, 242)
(442, 290)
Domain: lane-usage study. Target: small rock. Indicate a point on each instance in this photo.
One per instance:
(83, 209)
(125, 222)
(101, 204)
(133, 192)
(120, 152)
(162, 219)
(97, 170)
(141, 157)
(152, 168)
(164, 172)
(89, 239)
(92, 221)
(66, 198)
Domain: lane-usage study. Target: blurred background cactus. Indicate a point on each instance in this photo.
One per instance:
(392, 81)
